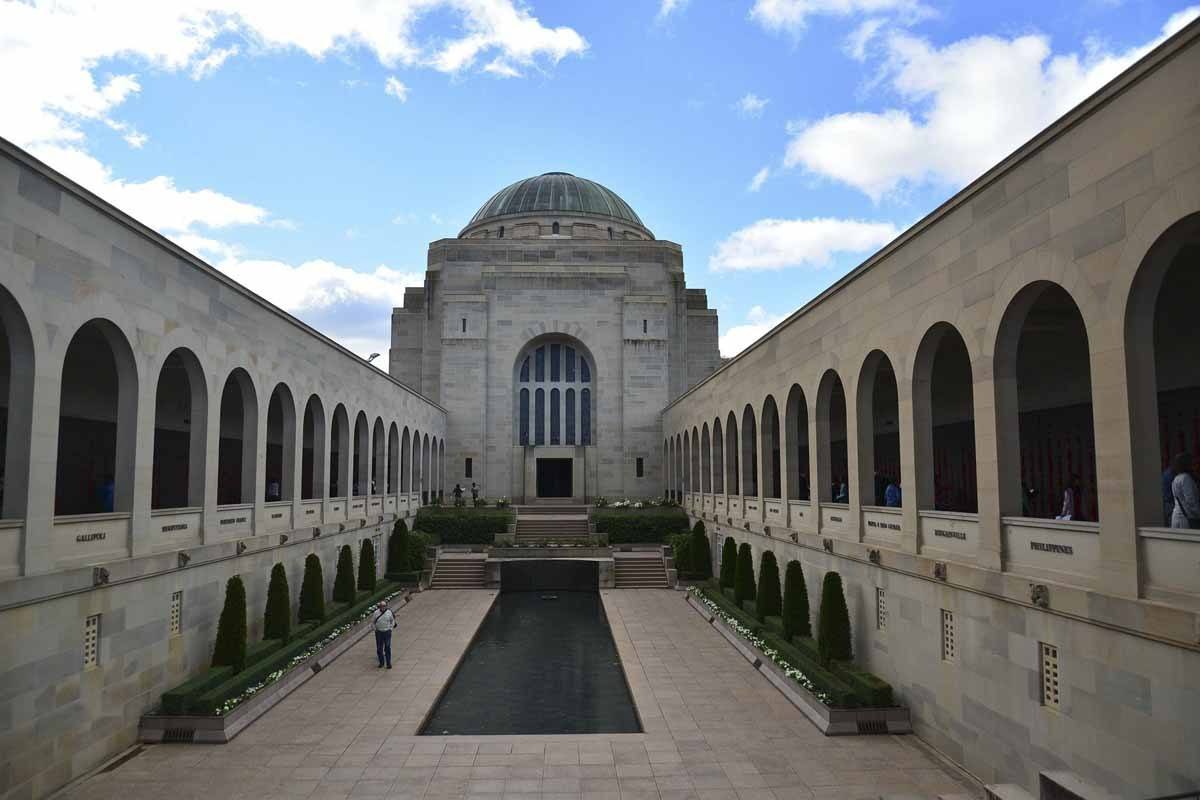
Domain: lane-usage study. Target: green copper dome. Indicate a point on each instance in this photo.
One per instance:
(556, 192)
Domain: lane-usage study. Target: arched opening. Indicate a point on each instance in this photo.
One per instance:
(406, 481)
(749, 453)
(441, 467)
(666, 470)
(435, 475)
(393, 459)
(833, 485)
(772, 469)
(281, 444)
(237, 451)
(705, 460)
(339, 453)
(546, 375)
(554, 229)
(362, 455)
(426, 477)
(944, 416)
(417, 476)
(1044, 390)
(687, 464)
(879, 432)
(731, 454)
(718, 458)
(16, 414)
(796, 436)
(378, 458)
(1164, 391)
(180, 424)
(680, 470)
(312, 467)
(97, 423)
(697, 482)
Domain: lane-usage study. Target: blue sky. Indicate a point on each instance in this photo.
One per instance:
(313, 151)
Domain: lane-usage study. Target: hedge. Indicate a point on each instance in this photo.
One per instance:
(229, 650)
(176, 700)
(795, 602)
(366, 566)
(681, 544)
(651, 525)
(312, 590)
(743, 578)
(277, 617)
(397, 550)
(728, 563)
(205, 693)
(847, 685)
(464, 525)
(699, 552)
(833, 621)
(768, 602)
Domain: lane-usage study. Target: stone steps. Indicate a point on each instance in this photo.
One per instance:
(558, 528)
(459, 573)
(640, 573)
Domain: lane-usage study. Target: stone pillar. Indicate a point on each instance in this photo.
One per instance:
(143, 465)
(38, 556)
(909, 424)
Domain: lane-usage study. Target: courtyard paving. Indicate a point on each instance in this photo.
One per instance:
(714, 730)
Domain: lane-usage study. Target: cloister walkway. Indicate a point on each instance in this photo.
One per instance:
(714, 730)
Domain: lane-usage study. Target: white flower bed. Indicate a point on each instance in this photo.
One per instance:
(296, 661)
(732, 622)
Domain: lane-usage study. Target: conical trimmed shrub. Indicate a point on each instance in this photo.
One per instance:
(743, 581)
(795, 602)
(397, 555)
(769, 603)
(366, 566)
(833, 621)
(312, 591)
(277, 619)
(230, 647)
(699, 552)
(728, 563)
(343, 579)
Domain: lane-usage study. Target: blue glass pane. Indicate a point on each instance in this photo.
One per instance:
(570, 416)
(555, 358)
(570, 364)
(554, 435)
(539, 416)
(525, 370)
(524, 416)
(539, 364)
(585, 372)
(585, 416)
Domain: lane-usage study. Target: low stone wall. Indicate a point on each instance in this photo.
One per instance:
(65, 719)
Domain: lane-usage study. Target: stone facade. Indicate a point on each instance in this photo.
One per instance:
(557, 279)
(1043, 316)
(269, 410)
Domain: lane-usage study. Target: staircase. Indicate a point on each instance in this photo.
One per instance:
(644, 570)
(538, 523)
(459, 572)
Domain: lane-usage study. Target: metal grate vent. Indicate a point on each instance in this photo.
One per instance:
(872, 726)
(176, 613)
(880, 609)
(1050, 695)
(179, 735)
(91, 641)
(948, 644)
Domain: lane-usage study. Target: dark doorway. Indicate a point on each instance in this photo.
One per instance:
(554, 477)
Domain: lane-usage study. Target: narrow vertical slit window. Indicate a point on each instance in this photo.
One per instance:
(539, 364)
(570, 364)
(464, 324)
(585, 372)
(524, 417)
(467, 469)
(554, 417)
(570, 398)
(539, 417)
(585, 417)
(555, 362)
(641, 468)
(645, 326)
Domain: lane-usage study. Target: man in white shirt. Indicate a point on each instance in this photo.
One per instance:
(385, 621)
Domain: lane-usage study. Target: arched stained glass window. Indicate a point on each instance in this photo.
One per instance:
(524, 416)
(555, 363)
(585, 416)
(554, 417)
(555, 229)
(539, 364)
(539, 417)
(570, 364)
(585, 372)
(570, 416)
(525, 370)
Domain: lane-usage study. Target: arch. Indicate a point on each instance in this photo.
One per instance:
(339, 453)
(666, 469)
(878, 409)
(426, 478)
(687, 464)
(281, 445)
(378, 457)
(705, 460)
(749, 452)
(772, 468)
(16, 416)
(180, 432)
(677, 460)
(796, 440)
(833, 481)
(546, 371)
(731, 454)
(393, 459)
(1043, 390)
(361, 467)
(718, 441)
(237, 452)
(417, 475)
(406, 478)
(441, 466)
(312, 455)
(944, 422)
(695, 466)
(97, 429)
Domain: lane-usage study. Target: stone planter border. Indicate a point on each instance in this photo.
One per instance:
(829, 721)
(185, 728)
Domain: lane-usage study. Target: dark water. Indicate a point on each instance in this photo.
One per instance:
(538, 666)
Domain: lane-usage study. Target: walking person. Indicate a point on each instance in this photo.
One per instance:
(458, 501)
(474, 493)
(1186, 513)
(1072, 503)
(385, 621)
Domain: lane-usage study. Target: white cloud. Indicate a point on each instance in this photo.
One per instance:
(396, 88)
(759, 179)
(404, 218)
(781, 243)
(791, 16)
(739, 337)
(319, 284)
(860, 37)
(436, 218)
(751, 105)
(965, 107)
(668, 7)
